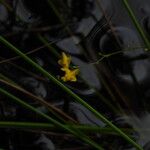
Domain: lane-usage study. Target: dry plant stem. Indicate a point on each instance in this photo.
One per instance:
(78, 134)
(31, 52)
(108, 21)
(120, 93)
(26, 71)
(71, 93)
(41, 101)
(105, 56)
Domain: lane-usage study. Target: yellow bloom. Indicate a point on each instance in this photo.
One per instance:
(65, 61)
(70, 75)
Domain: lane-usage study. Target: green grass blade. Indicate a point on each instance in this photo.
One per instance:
(59, 16)
(104, 99)
(48, 126)
(136, 23)
(67, 90)
(54, 110)
(55, 122)
(48, 45)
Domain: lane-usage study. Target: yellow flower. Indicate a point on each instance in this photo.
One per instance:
(70, 75)
(65, 61)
